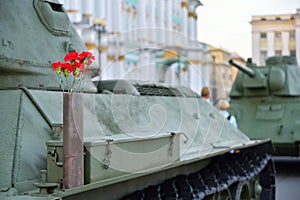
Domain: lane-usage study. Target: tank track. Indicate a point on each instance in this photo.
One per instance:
(222, 174)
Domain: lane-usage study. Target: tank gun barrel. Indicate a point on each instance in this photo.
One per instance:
(247, 70)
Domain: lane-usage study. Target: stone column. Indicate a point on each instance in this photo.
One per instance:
(285, 43)
(271, 40)
(74, 10)
(297, 32)
(184, 23)
(256, 47)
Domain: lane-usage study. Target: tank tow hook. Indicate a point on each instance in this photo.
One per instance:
(45, 188)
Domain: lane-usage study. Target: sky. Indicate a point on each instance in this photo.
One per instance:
(226, 23)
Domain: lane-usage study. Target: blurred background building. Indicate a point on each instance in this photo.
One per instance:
(222, 74)
(150, 40)
(153, 40)
(275, 35)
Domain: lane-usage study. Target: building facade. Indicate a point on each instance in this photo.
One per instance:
(275, 35)
(222, 74)
(153, 40)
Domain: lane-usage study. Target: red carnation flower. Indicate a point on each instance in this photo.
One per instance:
(85, 54)
(75, 65)
(56, 65)
(68, 66)
(86, 58)
(71, 56)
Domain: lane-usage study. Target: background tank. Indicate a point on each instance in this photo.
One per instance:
(266, 101)
(140, 140)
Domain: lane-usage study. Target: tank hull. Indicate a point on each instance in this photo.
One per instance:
(274, 117)
(37, 144)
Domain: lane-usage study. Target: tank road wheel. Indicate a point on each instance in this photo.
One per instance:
(267, 182)
(240, 191)
(223, 195)
(211, 197)
(256, 188)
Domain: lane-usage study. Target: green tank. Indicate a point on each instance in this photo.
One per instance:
(266, 102)
(117, 139)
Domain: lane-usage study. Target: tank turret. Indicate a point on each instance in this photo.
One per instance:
(29, 47)
(266, 97)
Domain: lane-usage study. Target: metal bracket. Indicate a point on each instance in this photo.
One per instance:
(57, 130)
(171, 145)
(108, 153)
(185, 136)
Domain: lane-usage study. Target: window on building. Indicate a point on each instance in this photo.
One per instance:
(278, 53)
(263, 57)
(293, 52)
(277, 36)
(263, 35)
(292, 35)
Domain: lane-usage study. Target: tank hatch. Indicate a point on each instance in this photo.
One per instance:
(35, 34)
